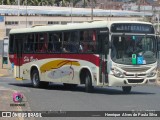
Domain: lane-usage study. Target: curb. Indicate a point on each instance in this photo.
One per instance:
(1, 75)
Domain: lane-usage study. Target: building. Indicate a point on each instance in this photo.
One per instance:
(28, 16)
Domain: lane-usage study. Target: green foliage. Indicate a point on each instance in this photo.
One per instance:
(45, 2)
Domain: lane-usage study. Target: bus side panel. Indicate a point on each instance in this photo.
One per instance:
(59, 69)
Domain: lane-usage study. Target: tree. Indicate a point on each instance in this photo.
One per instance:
(7, 2)
(45, 2)
(62, 2)
(51, 2)
(85, 2)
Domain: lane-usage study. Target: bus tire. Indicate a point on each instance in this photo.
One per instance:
(126, 89)
(36, 80)
(88, 83)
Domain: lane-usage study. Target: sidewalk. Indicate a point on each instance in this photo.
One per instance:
(6, 94)
(5, 73)
(6, 101)
(6, 70)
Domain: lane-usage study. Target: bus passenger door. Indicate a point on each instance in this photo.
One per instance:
(19, 62)
(103, 43)
(158, 47)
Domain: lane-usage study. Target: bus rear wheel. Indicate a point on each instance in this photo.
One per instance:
(126, 89)
(36, 80)
(88, 83)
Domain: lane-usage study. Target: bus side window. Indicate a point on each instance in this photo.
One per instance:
(28, 44)
(43, 40)
(66, 42)
(88, 41)
(50, 43)
(71, 42)
(36, 43)
(57, 42)
(41, 43)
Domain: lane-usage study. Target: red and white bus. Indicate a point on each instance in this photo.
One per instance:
(100, 53)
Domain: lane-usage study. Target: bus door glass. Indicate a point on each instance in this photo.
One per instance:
(103, 43)
(158, 47)
(19, 49)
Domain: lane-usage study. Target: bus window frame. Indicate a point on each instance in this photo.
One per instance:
(62, 40)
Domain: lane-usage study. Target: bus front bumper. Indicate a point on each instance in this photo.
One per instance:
(116, 81)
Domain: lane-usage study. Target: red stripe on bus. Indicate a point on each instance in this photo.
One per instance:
(26, 58)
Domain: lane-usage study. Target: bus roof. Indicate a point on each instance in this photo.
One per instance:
(74, 26)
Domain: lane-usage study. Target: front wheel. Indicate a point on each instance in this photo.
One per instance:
(88, 83)
(126, 89)
(36, 80)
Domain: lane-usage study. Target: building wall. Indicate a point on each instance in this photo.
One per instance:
(11, 22)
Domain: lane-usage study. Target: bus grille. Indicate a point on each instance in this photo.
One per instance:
(136, 69)
(135, 80)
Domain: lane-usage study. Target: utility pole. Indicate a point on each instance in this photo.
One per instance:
(18, 6)
(91, 10)
(139, 5)
(26, 14)
(71, 11)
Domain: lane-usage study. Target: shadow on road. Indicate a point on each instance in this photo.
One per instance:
(97, 90)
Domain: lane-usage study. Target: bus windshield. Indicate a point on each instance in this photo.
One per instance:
(133, 49)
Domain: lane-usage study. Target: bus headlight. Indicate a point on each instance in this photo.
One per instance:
(117, 73)
(152, 73)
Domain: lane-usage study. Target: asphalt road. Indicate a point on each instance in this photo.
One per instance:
(58, 98)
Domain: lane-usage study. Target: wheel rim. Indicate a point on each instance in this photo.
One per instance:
(35, 79)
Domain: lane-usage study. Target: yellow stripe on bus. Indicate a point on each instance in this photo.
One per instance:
(57, 64)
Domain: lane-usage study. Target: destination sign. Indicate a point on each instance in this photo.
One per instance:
(132, 28)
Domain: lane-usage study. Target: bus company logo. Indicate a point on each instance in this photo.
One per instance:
(136, 75)
(29, 59)
(26, 59)
(17, 97)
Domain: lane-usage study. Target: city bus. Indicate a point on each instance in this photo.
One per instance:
(98, 53)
